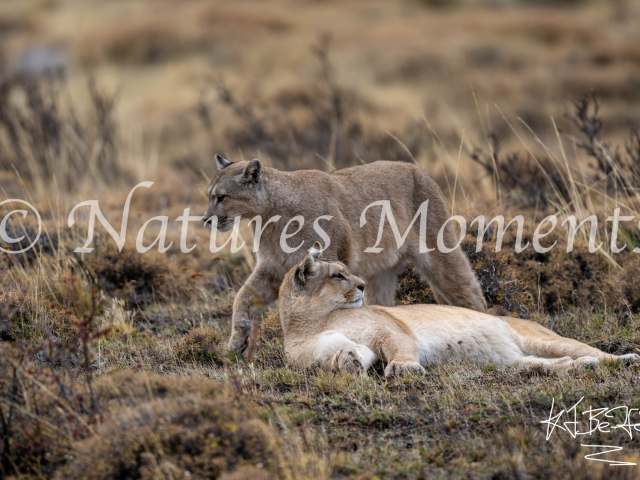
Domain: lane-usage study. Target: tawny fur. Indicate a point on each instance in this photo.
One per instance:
(324, 324)
(248, 189)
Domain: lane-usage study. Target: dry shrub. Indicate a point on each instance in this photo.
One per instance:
(412, 288)
(13, 23)
(241, 18)
(527, 180)
(559, 281)
(555, 3)
(139, 279)
(617, 346)
(299, 124)
(440, 3)
(551, 283)
(144, 279)
(164, 37)
(498, 278)
(580, 279)
(200, 345)
(547, 183)
(296, 126)
(268, 351)
(44, 137)
(619, 166)
(142, 425)
(126, 274)
(46, 404)
(551, 30)
(496, 274)
(188, 425)
(33, 317)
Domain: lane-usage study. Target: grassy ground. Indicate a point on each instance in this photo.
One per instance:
(457, 421)
(114, 364)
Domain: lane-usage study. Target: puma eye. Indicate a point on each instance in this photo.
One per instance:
(339, 276)
(221, 198)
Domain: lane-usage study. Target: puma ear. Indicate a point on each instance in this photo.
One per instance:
(221, 162)
(306, 268)
(316, 250)
(253, 171)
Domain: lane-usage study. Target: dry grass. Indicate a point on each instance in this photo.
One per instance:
(311, 85)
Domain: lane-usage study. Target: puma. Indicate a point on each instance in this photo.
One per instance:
(325, 324)
(249, 189)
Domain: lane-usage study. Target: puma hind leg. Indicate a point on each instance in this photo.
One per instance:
(381, 288)
(451, 279)
(538, 341)
(558, 365)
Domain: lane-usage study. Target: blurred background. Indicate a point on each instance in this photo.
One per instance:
(314, 84)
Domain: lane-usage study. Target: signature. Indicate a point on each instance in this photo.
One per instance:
(592, 420)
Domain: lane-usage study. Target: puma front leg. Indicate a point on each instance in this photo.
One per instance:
(402, 353)
(334, 350)
(259, 290)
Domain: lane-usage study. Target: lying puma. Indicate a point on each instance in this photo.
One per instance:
(325, 324)
(247, 190)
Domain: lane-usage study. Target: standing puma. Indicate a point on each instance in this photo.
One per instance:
(248, 189)
(325, 324)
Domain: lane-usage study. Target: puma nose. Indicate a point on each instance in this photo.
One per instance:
(207, 221)
(361, 287)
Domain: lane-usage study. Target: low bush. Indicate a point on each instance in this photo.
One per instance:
(201, 345)
(191, 429)
(497, 276)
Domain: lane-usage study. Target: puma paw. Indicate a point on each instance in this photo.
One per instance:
(586, 362)
(239, 341)
(347, 360)
(629, 358)
(396, 368)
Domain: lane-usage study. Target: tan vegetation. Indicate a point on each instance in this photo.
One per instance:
(122, 355)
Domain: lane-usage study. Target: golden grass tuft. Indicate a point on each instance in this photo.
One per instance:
(33, 317)
(202, 436)
(201, 345)
(117, 320)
